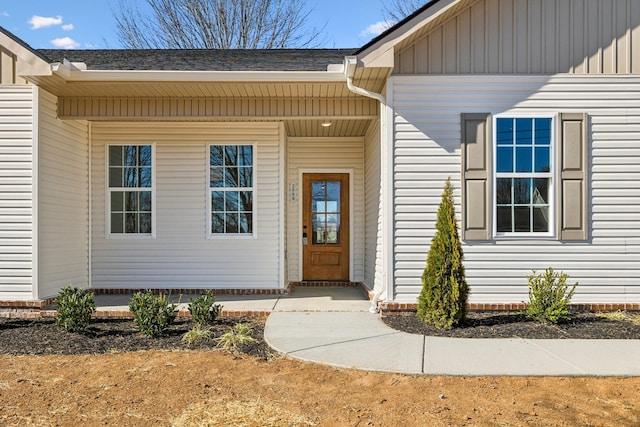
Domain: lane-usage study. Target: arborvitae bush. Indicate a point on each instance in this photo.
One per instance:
(443, 300)
(152, 313)
(75, 307)
(204, 309)
(549, 296)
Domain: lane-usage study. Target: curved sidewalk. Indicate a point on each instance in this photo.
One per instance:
(362, 340)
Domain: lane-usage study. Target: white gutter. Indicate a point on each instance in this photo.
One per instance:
(350, 65)
(77, 72)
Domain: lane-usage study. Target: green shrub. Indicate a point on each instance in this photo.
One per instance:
(443, 299)
(152, 313)
(197, 334)
(549, 296)
(236, 336)
(75, 307)
(204, 309)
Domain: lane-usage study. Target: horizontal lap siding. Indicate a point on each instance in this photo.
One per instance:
(16, 193)
(63, 208)
(427, 151)
(319, 154)
(181, 256)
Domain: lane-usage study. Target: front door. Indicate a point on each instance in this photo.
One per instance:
(325, 226)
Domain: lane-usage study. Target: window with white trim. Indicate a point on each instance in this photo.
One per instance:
(130, 188)
(231, 189)
(523, 175)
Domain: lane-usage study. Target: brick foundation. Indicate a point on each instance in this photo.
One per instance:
(400, 309)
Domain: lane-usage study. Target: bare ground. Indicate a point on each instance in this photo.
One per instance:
(46, 379)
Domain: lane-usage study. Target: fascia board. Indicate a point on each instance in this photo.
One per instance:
(387, 44)
(199, 76)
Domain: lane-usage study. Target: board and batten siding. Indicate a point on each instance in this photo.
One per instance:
(63, 200)
(331, 155)
(17, 107)
(531, 37)
(372, 208)
(427, 151)
(181, 256)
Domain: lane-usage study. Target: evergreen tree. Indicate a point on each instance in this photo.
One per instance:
(443, 300)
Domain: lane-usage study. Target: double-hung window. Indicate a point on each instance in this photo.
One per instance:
(523, 175)
(231, 189)
(130, 179)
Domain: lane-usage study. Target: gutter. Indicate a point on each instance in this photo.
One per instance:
(350, 65)
(77, 72)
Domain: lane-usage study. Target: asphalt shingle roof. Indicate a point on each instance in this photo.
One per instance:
(202, 59)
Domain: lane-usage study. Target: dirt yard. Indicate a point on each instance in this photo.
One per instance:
(156, 388)
(111, 375)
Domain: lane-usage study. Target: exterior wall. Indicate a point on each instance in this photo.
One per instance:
(17, 193)
(63, 200)
(372, 207)
(181, 255)
(427, 151)
(318, 154)
(531, 37)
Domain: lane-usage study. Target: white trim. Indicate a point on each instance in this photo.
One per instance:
(154, 172)
(72, 74)
(254, 194)
(351, 174)
(387, 160)
(553, 204)
(90, 207)
(35, 181)
(282, 180)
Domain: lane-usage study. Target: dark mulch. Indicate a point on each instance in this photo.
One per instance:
(42, 336)
(483, 324)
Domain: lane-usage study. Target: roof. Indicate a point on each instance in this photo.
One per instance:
(202, 59)
(21, 43)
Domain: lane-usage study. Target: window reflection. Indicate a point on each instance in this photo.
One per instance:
(325, 205)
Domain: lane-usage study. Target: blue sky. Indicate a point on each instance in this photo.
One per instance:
(89, 24)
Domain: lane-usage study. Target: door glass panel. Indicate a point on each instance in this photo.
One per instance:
(325, 206)
(319, 228)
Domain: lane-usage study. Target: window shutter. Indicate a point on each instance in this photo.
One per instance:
(572, 189)
(476, 176)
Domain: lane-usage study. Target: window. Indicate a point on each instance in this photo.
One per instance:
(523, 175)
(231, 186)
(130, 189)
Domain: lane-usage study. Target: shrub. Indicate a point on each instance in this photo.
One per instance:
(197, 334)
(152, 313)
(236, 336)
(549, 296)
(75, 307)
(443, 299)
(204, 309)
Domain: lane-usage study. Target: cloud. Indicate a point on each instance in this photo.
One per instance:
(65, 43)
(44, 21)
(4, 13)
(67, 27)
(376, 29)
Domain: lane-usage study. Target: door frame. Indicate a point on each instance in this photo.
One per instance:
(300, 198)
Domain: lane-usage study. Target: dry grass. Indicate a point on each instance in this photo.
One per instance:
(621, 316)
(239, 414)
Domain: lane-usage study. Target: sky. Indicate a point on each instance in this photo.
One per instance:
(90, 24)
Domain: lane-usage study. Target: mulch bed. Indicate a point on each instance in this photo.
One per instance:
(485, 324)
(43, 336)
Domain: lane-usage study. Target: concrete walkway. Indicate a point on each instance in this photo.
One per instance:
(362, 340)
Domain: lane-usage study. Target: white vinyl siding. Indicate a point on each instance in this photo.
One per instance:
(329, 155)
(427, 151)
(16, 193)
(181, 255)
(372, 210)
(63, 200)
